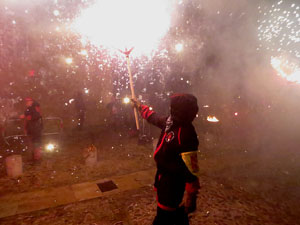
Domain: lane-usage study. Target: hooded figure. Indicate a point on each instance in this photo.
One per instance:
(173, 177)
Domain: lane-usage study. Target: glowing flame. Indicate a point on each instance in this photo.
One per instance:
(120, 24)
(69, 60)
(212, 119)
(285, 69)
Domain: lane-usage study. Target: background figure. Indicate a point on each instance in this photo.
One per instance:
(80, 110)
(114, 110)
(33, 128)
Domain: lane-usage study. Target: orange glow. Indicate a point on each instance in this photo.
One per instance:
(212, 119)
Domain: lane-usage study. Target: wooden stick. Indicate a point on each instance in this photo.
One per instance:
(132, 92)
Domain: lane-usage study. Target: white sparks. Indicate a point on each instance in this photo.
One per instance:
(134, 23)
(56, 12)
(179, 47)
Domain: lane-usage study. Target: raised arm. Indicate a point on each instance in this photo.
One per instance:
(152, 116)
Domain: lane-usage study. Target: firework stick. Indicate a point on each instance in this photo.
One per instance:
(132, 92)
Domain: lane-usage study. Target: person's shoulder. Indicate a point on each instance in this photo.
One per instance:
(189, 138)
(188, 128)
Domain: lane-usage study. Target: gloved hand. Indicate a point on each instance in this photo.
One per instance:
(190, 203)
(136, 103)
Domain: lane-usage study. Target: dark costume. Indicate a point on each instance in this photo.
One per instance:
(33, 128)
(173, 177)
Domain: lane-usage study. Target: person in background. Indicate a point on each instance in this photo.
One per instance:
(114, 110)
(33, 128)
(175, 177)
(80, 110)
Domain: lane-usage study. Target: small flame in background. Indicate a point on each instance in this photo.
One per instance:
(286, 69)
(212, 119)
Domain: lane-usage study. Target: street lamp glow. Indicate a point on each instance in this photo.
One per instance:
(69, 60)
(179, 47)
(50, 147)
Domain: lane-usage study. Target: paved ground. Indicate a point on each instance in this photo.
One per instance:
(218, 203)
(237, 188)
(13, 204)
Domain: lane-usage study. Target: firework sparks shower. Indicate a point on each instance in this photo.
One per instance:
(118, 24)
(279, 33)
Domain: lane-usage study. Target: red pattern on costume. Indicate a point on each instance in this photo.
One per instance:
(179, 132)
(167, 208)
(146, 112)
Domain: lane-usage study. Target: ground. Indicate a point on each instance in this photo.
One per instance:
(236, 187)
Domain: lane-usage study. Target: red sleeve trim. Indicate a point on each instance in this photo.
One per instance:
(161, 143)
(192, 187)
(179, 132)
(146, 112)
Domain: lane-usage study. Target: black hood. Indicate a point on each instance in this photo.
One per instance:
(184, 108)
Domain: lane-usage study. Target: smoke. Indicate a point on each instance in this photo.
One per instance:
(232, 73)
(7, 109)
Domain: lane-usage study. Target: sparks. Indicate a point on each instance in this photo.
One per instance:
(134, 23)
(284, 68)
(69, 60)
(279, 29)
(179, 47)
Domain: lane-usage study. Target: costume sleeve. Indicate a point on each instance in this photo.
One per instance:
(189, 143)
(152, 117)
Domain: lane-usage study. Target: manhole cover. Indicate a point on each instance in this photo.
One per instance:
(107, 186)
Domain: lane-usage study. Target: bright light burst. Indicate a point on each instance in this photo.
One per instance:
(126, 100)
(50, 147)
(179, 47)
(69, 60)
(119, 24)
(288, 70)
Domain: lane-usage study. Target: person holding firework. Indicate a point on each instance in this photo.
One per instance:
(176, 160)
